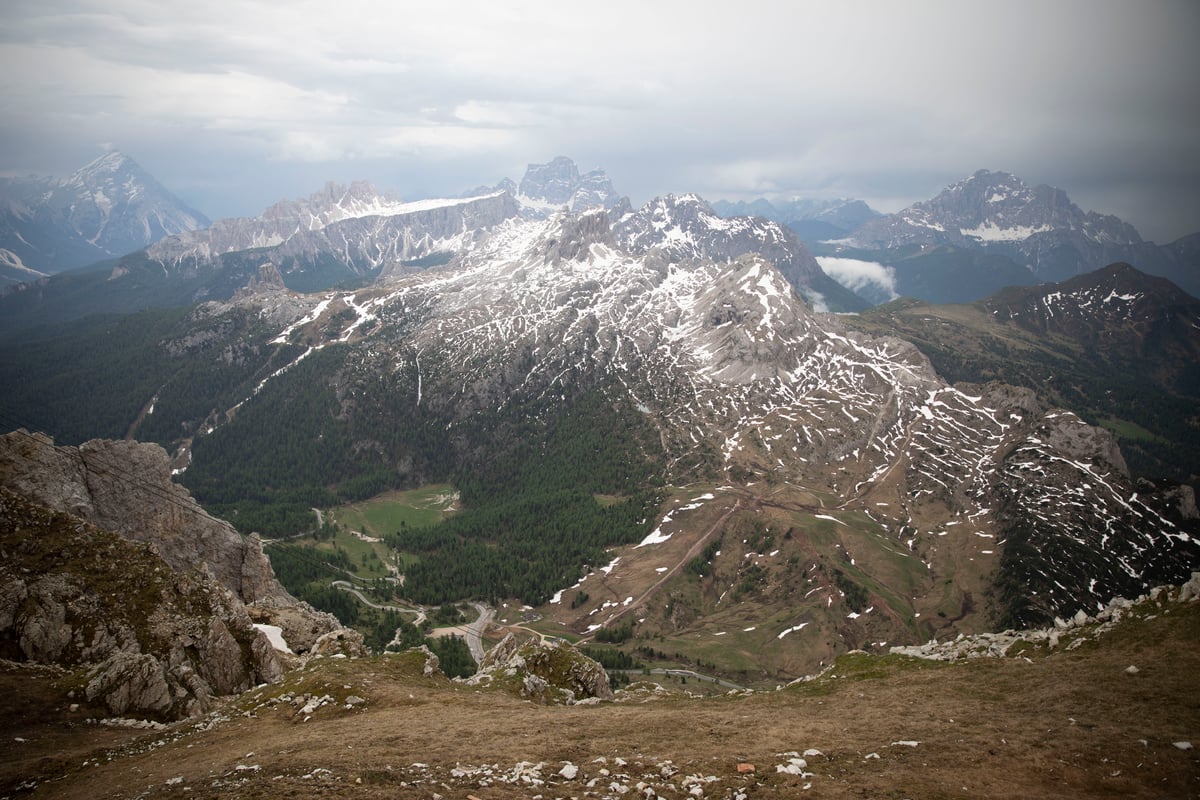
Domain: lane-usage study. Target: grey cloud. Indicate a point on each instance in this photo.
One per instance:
(881, 101)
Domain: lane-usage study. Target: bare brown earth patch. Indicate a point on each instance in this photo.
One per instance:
(1046, 723)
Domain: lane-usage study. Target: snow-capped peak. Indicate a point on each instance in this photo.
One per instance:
(993, 208)
(548, 188)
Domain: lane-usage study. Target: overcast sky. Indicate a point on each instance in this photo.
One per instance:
(233, 105)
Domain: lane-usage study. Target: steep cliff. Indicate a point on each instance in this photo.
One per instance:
(125, 487)
(108, 568)
(146, 639)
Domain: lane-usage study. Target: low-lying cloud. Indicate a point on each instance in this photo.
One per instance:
(870, 279)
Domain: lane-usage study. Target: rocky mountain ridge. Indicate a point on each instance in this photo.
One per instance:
(353, 236)
(687, 228)
(363, 232)
(1034, 227)
(995, 207)
(1114, 296)
(746, 386)
(1115, 345)
(372, 233)
(107, 208)
(812, 218)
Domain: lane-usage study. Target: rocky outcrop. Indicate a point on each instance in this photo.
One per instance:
(685, 228)
(108, 566)
(266, 281)
(125, 487)
(300, 624)
(578, 233)
(343, 642)
(545, 672)
(1069, 633)
(148, 639)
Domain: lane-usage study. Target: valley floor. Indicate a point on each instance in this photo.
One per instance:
(1040, 724)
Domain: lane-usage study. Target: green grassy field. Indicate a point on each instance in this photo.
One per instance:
(385, 513)
(388, 512)
(1130, 430)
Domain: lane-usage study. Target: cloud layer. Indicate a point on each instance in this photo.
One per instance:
(237, 104)
(870, 278)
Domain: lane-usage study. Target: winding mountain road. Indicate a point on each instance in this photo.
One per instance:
(475, 631)
(346, 586)
(472, 632)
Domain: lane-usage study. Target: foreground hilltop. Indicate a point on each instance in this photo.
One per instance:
(1103, 710)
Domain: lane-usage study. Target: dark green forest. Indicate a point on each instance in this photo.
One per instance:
(334, 428)
(528, 476)
(308, 574)
(93, 378)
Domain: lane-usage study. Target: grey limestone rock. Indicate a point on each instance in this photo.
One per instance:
(558, 183)
(548, 671)
(130, 682)
(106, 564)
(344, 642)
(126, 487)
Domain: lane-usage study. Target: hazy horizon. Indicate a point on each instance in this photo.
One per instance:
(235, 106)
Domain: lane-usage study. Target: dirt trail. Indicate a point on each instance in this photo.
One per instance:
(692, 552)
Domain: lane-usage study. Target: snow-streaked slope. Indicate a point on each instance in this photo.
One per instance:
(741, 377)
(356, 224)
(686, 228)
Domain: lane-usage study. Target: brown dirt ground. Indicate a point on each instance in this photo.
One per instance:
(1063, 724)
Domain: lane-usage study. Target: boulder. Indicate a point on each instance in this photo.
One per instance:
(128, 682)
(546, 672)
(342, 642)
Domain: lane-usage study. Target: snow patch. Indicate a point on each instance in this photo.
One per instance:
(792, 629)
(991, 232)
(274, 635)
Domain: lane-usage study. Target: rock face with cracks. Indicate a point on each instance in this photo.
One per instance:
(146, 639)
(125, 487)
(108, 567)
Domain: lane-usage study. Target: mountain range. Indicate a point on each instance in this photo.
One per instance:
(105, 209)
(976, 237)
(655, 429)
(992, 230)
(629, 394)
(354, 235)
